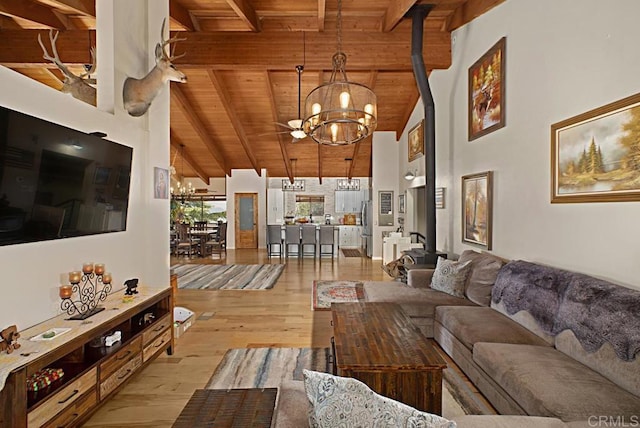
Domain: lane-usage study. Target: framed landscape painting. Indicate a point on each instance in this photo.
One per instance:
(595, 156)
(487, 92)
(477, 201)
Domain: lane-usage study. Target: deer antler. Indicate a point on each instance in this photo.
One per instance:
(92, 69)
(55, 58)
(171, 57)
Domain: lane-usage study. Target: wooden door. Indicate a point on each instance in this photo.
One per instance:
(246, 220)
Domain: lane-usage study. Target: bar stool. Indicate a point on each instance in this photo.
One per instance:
(308, 232)
(326, 239)
(292, 237)
(274, 237)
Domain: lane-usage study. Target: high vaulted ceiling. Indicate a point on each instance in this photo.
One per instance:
(240, 61)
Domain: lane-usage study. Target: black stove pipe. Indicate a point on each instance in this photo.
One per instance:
(418, 14)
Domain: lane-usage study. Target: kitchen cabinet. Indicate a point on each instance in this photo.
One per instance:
(275, 206)
(350, 237)
(349, 201)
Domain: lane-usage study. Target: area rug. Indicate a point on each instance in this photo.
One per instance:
(326, 292)
(268, 367)
(227, 277)
(351, 252)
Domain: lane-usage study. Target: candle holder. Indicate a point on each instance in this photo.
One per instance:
(91, 286)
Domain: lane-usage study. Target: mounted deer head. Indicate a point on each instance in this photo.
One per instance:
(78, 86)
(138, 93)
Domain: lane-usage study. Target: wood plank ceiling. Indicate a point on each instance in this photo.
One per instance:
(240, 63)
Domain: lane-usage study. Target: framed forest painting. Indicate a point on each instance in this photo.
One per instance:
(595, 156)
(477, 201)
(487, 92)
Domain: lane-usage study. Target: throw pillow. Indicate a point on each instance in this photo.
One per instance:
(450, 276)
(484, 271)
(346, 402)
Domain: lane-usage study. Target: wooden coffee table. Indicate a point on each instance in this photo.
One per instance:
(378, 344)
(232, 408)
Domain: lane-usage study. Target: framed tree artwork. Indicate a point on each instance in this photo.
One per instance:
(477, 201)
(416, 141)
(487, 92)
(595, 156)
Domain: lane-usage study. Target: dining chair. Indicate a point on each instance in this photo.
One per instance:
(326, 239)
(185, 243)
(292, 237)
(218, 244)
(308, 238)
(274, 237)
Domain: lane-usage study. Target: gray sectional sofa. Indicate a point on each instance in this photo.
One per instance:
(541, 341)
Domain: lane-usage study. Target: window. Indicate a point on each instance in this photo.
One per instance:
(309, 206)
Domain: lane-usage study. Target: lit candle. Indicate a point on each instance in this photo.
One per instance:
(87, 267)
(99, 268)
(106, 278)
(74, 277)
(65, 291)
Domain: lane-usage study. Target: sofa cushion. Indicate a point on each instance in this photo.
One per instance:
(481, 324)
(484, 271)
(450, 276)
(342, 401)
(504, 421)
(415, 302)
(546, 382)
(604, 361)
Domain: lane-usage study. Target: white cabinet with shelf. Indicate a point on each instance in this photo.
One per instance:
(350, 237)
(350, 201)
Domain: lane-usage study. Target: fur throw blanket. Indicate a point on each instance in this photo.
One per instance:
(595, 310)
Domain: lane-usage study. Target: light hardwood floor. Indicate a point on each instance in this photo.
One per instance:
(280, 317)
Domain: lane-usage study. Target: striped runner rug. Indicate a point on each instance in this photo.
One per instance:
(227, 277)
(268, 367)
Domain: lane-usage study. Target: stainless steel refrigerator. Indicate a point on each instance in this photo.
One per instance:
(367, 227)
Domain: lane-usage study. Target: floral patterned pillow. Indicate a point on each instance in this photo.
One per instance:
(346, 402)
(450, 277)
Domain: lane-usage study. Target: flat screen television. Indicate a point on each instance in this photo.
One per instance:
(56, 182)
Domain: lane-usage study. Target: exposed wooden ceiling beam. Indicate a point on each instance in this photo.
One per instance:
(246, 13)
(470, 10)
(255, 51)
(181, 15)
(190, 114)
(33, 12)
(274, 115)
(82, 7)
(177, 145)
(322, 11)
(238, 127)
(395, 12)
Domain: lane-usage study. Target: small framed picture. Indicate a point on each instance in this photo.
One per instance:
(440, 197)
(401, 203)
(416, 141)
(477, 199)
(160, 183)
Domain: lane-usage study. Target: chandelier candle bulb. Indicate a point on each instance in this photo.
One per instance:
(87, 268)
(99, 268)
(106, 278)
(65, 291)
(74, 277)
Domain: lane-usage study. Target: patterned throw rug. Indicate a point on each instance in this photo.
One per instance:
(268, 367)
(326, 292)
(227, 277)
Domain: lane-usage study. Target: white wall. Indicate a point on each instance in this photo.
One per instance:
(563, 57)
(247, 181)
(32, 273)
(384, 155)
